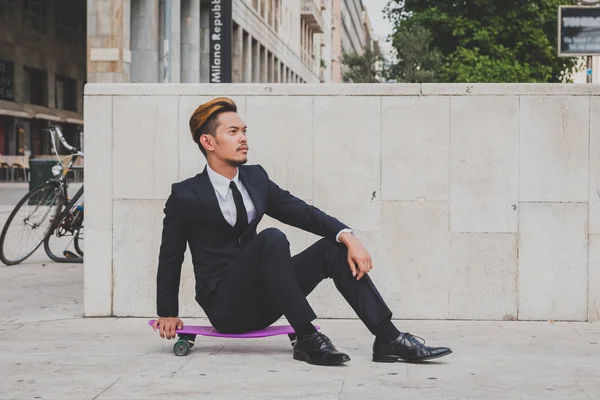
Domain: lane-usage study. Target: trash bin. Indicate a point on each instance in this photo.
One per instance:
(40, 170)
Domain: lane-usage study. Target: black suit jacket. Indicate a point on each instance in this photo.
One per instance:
(193, 216)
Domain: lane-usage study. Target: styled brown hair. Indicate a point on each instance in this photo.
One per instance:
(204, 120)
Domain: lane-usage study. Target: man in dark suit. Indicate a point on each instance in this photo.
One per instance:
(246, 280)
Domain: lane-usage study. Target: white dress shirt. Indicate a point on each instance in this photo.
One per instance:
(225, 196)
(226, 202)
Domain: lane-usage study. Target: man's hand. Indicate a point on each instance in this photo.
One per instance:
(166, 326)
(359, 258)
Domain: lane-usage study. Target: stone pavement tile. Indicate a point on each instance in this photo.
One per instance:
(37, 291)
(226, 387)
(49, 366)
(65, 310)
(593, 336)
(13, 347)
(595, 327)
(6, 328)
(591, 387)
(546, 326)
(466, 389)
(59, 388)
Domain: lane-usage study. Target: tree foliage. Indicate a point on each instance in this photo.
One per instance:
(361, 68)
(477, 41)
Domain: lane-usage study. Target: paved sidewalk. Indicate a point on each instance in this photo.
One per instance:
(48, 351)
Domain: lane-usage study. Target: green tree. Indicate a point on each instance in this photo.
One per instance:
(478, 40)
(361, 68)
(416, 60)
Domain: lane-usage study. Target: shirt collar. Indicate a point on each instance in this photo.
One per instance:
(220, 183)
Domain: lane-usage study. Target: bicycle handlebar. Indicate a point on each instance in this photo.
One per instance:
(62, 139)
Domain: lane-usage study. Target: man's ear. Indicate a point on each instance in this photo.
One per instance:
(206, 142)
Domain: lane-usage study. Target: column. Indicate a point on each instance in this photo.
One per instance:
(190, 41)
(336, 41)
(144, 40)
(311, 49)
(247, 58)
(255, 61)
(277, 77)
(237, 44)
(267, 11)
(264, 64)
(271, 67)
(175, 42)
(302, 39)
(108, 41)
(276, 19)
(204, 45)
(305, 41)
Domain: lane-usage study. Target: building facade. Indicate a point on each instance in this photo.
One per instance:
(279, 41)
(42, 74)
(351, 32)
(49, 49)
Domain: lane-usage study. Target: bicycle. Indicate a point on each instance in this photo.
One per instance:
(59, 216)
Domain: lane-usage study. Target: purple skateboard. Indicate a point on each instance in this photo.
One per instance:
(187, 335)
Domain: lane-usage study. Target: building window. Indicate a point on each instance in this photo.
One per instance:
(7, 10)
(35, 86)
(66, 93)
(7, 80)
(34, 15)
(67, 18)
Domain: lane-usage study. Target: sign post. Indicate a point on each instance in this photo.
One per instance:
(220, 41)
(579, 32)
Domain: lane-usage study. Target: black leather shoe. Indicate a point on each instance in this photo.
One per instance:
(407, 348)
(317, 349)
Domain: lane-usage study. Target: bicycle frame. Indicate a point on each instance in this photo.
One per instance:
(61, 179)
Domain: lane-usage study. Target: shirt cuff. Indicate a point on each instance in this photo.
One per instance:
(337, 237)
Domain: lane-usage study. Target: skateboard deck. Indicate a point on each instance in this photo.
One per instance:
(187, 335)
(210, 331)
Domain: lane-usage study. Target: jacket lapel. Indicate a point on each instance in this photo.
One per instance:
(251, 186)
(205, 192)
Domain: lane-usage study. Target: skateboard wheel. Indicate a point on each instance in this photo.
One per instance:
(181, 348)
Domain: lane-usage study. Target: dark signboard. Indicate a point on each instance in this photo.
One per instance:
(220, 41)
(578, 31)
(7, 81)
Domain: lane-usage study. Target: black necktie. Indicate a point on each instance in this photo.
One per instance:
(241, 222)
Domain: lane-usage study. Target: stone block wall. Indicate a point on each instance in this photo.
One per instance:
(476, 201)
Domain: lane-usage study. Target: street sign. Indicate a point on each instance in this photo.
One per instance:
(578, 31)
(220, 41)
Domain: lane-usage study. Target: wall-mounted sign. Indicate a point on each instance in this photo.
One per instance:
(7, 81)
(578, 31)
(220, 41)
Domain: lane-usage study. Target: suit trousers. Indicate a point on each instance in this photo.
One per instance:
(265, 282)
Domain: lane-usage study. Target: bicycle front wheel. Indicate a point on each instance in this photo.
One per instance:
(29, 223)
